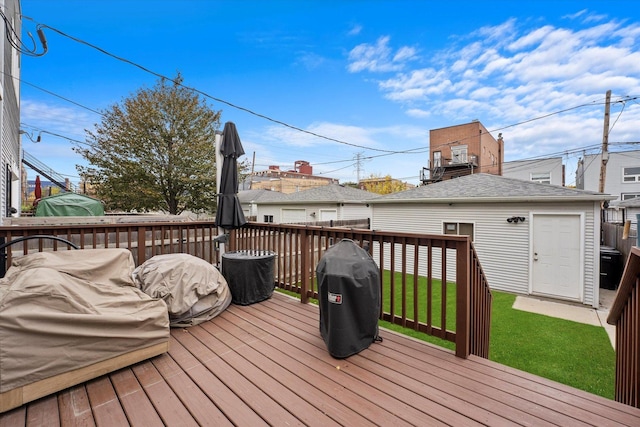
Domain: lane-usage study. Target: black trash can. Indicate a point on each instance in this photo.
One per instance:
(610, 267)
(349, 288)
(250, 275)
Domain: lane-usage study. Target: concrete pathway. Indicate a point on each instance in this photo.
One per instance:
(575, 313)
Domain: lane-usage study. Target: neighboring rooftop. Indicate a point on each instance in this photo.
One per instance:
(260, 195)
(333, 193)
(483, 187)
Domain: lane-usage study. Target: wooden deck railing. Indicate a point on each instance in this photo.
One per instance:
(625, 315)
(430, 283)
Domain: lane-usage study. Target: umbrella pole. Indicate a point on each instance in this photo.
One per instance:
(219, 160)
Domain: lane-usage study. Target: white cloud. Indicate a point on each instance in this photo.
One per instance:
(418, 113)
(522, 78)
(576, 15)
(310, 60)
(509, 71)
(67, 121)
(355, 30)
(530, 39)
(379, 57)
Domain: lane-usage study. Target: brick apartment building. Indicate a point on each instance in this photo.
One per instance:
(463, 150)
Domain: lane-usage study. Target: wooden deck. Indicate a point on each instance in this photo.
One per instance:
(266, 364)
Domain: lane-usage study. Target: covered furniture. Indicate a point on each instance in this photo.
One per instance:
(69, 204)
(70, 316)
(250, 275)
(193, 289)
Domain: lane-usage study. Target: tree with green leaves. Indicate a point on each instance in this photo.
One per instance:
(154, 151)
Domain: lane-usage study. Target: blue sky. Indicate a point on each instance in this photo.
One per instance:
(374, 75)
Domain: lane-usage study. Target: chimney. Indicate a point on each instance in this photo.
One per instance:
(303, 167)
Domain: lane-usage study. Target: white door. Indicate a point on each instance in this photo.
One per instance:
(557, 256)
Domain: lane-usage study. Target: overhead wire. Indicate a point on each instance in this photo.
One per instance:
(16, 42)
(222, 101)
(53, 93)
(280, 122)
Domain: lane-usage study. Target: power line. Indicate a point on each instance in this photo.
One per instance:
(222, 101)
(263, 116)
(52, 93)
(16, 42)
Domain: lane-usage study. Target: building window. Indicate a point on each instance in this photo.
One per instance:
(458, 228)
(268, 218)
(437, 159)
(541, 177)
(629, 196)
(631, 174)
(459, 154)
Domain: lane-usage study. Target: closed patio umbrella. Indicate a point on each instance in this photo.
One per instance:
(229, 214)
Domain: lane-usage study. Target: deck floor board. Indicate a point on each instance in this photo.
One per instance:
(266, 364)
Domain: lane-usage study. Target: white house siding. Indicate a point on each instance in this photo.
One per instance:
(355, 211)
(526, 169)
(267, 210)
(502, 247)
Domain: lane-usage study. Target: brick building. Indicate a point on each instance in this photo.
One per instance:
(292, 181)
(463, 150)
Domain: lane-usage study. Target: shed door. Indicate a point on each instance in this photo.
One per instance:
(556, 256)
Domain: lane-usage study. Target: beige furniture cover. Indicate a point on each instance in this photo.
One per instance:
(194, 290)
(62, 311)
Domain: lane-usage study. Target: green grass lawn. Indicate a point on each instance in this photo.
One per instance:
(571, 353)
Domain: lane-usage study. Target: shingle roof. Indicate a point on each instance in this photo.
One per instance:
(629, 203)
(251, 196)
(485, 187)
(333, 193)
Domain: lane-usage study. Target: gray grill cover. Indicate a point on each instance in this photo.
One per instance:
(349, 287)
(193, 289)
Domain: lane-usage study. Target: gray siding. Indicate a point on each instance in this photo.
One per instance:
(503, 248)
(346, 211)
(613, 183)
(10, 116)
(354, 211)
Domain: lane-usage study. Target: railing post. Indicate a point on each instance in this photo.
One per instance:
(304, 266)
(463, 299)
(142, 245)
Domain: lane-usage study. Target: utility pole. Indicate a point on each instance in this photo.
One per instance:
(605, 143)
(358, 165)
(253, 165)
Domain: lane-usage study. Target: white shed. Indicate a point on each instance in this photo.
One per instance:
(325, 203)
(531, 238)
(249, 200)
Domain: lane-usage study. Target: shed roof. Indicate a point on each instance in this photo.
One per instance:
(481, 187)
(333, 193)
(260, 195)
